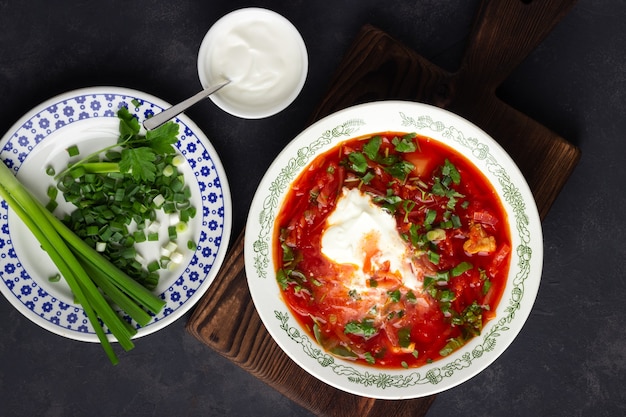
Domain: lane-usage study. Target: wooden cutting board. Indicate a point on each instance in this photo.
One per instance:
(378, 67)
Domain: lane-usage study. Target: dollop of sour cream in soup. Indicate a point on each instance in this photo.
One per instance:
(360, 233)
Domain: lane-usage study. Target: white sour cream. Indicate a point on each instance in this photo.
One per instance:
(262, 54)
(354, 226)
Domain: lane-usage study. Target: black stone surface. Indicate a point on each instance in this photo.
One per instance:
(570, 358)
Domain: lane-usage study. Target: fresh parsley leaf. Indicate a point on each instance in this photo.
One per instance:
(288, 255)
(282, 279)
(442, 185)
(139, 162)
(370, 149)
(369, 358)
(404, 337)
(472, 318)
(389, 202)
(417, 239)
(129, 125)
(451, 203)
(438, 189)
(388, 160)
(400, 169)
(358, 162)
(363, 328)
(343, 352)
(163, 138)
(450, 170)
(451, 346)
(369, 176)
(406, 144)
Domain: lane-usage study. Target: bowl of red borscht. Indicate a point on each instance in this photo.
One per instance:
(393, 250)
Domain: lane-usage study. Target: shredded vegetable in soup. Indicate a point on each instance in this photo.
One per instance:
(393, 250)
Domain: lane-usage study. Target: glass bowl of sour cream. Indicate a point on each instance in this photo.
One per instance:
(262, 54)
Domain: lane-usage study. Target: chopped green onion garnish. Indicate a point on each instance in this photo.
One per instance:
(154, 266)
(52, 205)
(461, 268)
(178, 160)
(181, 227)
(436, 235)
(73, 150)
(168, 171)
(176, 257)
(171, 232)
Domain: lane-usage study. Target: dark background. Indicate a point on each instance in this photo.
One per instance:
(570, 358)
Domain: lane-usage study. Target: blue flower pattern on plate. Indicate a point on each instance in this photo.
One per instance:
(16, 278)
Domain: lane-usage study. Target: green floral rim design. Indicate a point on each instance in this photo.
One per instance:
(431, 375)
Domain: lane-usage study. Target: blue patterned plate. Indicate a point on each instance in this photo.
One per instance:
(524, 274)
(87, 117)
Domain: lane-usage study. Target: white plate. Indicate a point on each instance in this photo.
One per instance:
(526, 259)
(88, 117)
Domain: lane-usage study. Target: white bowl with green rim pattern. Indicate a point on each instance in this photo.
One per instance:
(525, 266)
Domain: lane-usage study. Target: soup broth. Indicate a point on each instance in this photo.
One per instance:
(392, 250)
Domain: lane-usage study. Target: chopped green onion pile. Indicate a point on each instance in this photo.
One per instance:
(117, 193)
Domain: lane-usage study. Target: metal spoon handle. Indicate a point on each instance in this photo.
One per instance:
(167, 114)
